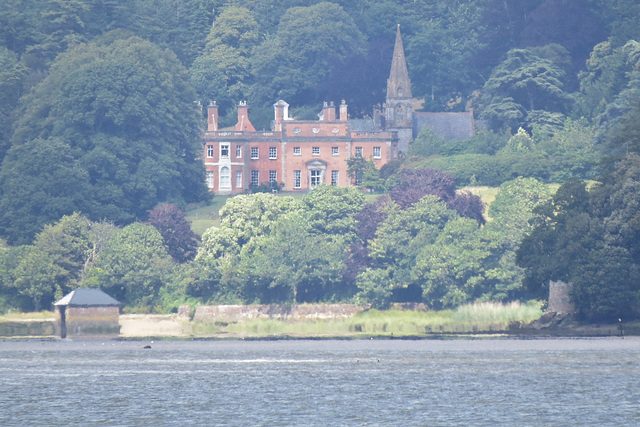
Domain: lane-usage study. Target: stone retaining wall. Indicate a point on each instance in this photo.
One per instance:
(28, 328)
(235, 313)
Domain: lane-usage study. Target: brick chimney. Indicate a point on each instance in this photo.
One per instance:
(343, 111)
(281, 109)
(332, 112)
(212, 116)
(243, 118)
(328, 112)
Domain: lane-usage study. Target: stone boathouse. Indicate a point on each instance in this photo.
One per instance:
(87, 312)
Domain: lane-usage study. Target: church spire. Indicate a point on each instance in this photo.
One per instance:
(398, 83)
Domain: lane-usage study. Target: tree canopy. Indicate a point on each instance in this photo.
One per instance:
(119, 117)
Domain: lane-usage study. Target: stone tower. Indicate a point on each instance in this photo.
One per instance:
(398, 111)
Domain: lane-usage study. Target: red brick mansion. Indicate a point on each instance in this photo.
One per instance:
(301, 154)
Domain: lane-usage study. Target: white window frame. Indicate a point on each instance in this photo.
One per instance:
(296, 151)
(273, 176)
(358, 151)
(209, 179)
(315, 151)
(273, 153)
(238, 151)
(210, 151)
(224, 148)
(255, 153)
(255, 177)
(238, 179)
(335, 151)
(315, 177)
(225, 177)
(297, 179)
(335, 178)
(377, 153)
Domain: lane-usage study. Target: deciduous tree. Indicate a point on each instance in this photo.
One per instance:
(170, 221)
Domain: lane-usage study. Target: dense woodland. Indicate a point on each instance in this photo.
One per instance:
(101, 111)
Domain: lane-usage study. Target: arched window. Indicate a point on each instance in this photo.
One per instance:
(225, 178)
(400, 113)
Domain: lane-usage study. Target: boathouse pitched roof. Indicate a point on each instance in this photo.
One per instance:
(87, 297)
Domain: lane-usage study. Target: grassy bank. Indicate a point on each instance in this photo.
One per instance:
(474, 318)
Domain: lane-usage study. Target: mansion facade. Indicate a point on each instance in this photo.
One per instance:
(298, 155)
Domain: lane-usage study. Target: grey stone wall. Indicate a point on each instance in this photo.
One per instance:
(91, 321)
(235, 313)
(559, 300)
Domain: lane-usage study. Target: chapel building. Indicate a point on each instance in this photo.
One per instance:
(301, 154)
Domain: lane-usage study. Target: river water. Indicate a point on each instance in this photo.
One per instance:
(558, 382)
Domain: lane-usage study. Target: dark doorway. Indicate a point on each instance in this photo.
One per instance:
(63, 321)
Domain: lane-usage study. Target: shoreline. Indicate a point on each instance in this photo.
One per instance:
(174, 327)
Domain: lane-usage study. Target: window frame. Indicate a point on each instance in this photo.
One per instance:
(315, 177)
(335, 178)
(225, 177)
(297, 179)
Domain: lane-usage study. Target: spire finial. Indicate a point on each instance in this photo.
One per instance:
(398, 84)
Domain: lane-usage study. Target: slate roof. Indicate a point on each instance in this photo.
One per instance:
(87, 297)
(452, 126)
(362, 125)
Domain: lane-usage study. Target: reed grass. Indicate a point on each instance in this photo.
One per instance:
(40, 315)
(483, 317)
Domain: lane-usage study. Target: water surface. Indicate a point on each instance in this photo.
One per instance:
(378, 382)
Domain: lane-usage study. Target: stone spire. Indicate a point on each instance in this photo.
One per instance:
(398, 83)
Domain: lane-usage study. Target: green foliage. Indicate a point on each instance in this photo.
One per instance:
(295, 61)
(427, 143)
(364, 173)
(450, 267)
(331, 209)
(605, 286)
(611, 75)
(12, 74)
(293, 263)
(520, 143)
(222, 73)
(572, 151)
(570, 243)
(133, 266)
(439, 52)
(520, 85)
(375, 288)
(124, 113)
(40, 181)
